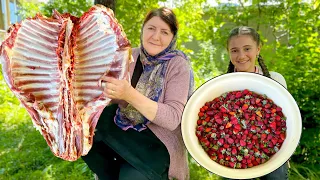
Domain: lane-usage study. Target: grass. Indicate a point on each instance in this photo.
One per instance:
(304, 172)
(24, 154)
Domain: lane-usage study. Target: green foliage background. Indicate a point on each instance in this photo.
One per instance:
(290, 31)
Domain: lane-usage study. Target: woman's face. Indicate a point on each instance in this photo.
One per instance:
(243, 51)
(156, 36)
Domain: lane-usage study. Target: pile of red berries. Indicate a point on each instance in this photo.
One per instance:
(241, 129)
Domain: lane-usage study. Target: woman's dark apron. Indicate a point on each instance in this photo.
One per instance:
(112, 146)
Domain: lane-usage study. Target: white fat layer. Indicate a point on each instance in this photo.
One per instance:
(25, 70)
(32, 46)
(83, 98)
(24, 62)
(82, 42)
(39, 78)
(84, 29)
(84, 84)
(31, 26)
(51, 85)
(25, 53)
(53, 97)
(95, 63)
(36, 71)
(94, 92)
(44, 24)
(122, 56)
(99, 47)
(101, 70)
(85, 77)
(32, 37)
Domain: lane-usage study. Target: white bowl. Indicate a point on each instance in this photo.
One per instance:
(240, 81)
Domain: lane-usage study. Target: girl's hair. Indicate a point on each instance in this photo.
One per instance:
(166, 15)
(244, 30)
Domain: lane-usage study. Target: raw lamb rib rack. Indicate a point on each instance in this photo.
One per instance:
(54, 66)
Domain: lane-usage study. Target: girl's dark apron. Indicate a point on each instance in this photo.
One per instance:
(113, 147)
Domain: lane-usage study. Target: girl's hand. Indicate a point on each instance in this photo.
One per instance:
(117, 89)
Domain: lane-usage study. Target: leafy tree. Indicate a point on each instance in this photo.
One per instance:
(107, 3)
(290, 32)
(76, 7)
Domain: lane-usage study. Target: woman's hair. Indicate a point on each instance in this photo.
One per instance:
(166, 15)
(243, 30)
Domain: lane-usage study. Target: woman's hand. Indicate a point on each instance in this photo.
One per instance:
(117, 89)
(122, 90)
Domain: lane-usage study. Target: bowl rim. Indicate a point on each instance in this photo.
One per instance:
(237, 74)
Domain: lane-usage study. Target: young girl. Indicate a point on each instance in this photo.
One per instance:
(244, 46)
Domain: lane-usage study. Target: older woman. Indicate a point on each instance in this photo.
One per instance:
(141, 138)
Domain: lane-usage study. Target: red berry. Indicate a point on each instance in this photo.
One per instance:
(242, 143)
(210, 113)
(208, 129)
(232, 164)
(234, 120)
(266, 150)
(234, 151)
(267, 106)
(245, 107)
(223, 109)
(238, 95)
(273, 125)
(219, 121)
(235, 131)
(274, 141)
(214, 158)
(253, 128)
(220, 156)
(220, 142)
(245, 92)
(237, 126)
(255, 137)
(258, 100)
(230, 140)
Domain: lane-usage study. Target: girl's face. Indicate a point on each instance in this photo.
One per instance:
(156, 36)
(243, 51)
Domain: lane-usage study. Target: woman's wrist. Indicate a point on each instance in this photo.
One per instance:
(128, 95)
